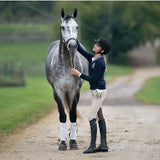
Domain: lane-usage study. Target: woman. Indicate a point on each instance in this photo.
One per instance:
(97, 83)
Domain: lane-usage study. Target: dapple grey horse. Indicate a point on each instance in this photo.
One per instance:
(62, 56)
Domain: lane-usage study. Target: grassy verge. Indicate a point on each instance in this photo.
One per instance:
(20, 106)
(150, 92)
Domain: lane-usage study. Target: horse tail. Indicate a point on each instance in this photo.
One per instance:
(67, 107)
(78, 114)
(67, 103)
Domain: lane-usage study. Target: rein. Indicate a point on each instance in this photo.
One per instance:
(72, 60)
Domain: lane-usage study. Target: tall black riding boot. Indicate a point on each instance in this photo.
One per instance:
(92, 147)
(103, 146)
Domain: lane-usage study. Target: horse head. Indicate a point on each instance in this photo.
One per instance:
(69, 30)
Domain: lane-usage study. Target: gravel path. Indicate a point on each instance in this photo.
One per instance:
(133, 128)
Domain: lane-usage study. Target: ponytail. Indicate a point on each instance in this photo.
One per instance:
(105, 59)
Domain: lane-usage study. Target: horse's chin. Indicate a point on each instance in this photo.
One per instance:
(72, 51)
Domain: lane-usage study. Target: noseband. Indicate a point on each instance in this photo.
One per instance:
(65, 43)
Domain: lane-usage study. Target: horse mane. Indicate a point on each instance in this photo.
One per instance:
(68, 17)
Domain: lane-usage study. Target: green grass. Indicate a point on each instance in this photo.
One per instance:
(23, 51)
(30, 55)
(20, 106)
(150, 93)
(25, 28)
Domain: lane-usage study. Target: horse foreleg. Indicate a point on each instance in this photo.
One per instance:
(62, 118)
(73, 111)
(73, 128)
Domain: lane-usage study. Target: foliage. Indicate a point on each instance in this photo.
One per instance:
(138, 22)
(150, 91)
(11, 9)
(24, 105)
(126, 24)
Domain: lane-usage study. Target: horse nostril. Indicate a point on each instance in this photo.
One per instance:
(72, 45)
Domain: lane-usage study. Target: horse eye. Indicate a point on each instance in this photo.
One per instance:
(62, 28)
(77, 27)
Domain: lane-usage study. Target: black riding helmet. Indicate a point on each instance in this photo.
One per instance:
(105, 44)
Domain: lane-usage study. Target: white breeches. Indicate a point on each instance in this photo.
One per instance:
(97, 98)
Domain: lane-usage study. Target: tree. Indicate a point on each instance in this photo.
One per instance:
(134, 23)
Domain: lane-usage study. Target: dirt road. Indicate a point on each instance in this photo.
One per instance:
(133, 128)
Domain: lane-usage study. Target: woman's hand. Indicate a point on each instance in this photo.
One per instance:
(75, 72)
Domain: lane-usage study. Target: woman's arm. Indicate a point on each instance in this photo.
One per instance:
(87, 55)
(93, 78)
(95, 75)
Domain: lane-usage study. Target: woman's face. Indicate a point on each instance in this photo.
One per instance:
(96, 48)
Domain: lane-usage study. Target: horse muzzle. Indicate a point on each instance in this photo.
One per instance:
(72, 45)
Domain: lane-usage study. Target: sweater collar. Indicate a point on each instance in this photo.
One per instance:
(100, 56)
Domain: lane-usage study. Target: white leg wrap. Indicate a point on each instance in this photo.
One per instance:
(73, 133)
(63, 132)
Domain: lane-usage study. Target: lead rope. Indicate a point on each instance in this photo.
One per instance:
(72, 60)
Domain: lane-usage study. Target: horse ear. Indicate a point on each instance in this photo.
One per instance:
(62, 14)
(75, 13)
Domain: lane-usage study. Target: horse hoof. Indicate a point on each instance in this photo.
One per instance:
(62, 146)
(73, 145)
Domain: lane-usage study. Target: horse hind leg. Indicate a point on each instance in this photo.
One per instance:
(73, 128)
(62, 118)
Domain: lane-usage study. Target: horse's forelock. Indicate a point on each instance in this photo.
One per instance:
(68, 17)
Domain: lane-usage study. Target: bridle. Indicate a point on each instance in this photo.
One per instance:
(66, 42)
(70, 53)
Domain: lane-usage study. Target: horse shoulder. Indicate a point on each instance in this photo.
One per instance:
(55, 44)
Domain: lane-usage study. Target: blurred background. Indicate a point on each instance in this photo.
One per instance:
(27, 28)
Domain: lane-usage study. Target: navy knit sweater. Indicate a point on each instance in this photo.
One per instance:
(96, 70)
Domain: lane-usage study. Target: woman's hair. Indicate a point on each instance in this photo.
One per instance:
(105, 59)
